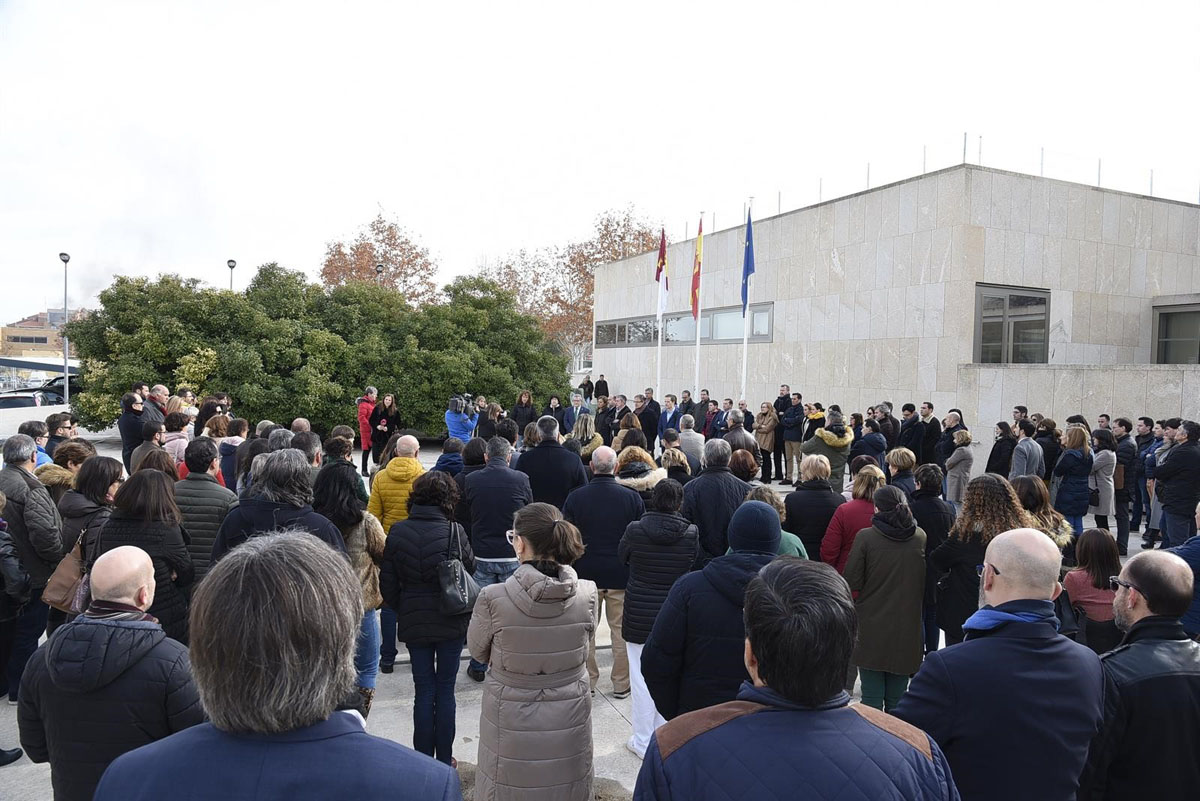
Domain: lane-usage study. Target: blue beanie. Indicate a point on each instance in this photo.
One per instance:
(754, 527)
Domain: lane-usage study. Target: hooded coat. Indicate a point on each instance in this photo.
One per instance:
(887, 569)
(390, 490)
(57, 480)
(834, 444)
(176, 442)
(365, 407)
(1074, 466)
(100, 688)
(693, 657)
(255, 516)
(873, 444)
(535, 725)
(657, 550)
(166, 544)
(641, 478)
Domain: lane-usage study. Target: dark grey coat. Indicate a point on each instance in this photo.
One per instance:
(204, 504)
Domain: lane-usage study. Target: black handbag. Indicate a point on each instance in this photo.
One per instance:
(1068, 622)
(458, 589)
(1094, 498)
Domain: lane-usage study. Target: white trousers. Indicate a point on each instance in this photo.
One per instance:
(645, 717)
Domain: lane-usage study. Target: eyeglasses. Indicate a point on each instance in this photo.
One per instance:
(1115, 583)
(979, 569)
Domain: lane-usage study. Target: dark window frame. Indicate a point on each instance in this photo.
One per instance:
(1159, 342)
(1006, 341)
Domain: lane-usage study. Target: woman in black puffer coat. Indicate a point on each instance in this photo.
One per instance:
(145, 515)
(408, 582)
(658, 549)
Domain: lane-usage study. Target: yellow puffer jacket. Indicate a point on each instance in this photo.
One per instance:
(391, 488)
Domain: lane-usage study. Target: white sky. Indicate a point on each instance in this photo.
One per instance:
(147, 137)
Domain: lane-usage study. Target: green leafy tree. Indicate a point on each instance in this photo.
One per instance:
(287, 348)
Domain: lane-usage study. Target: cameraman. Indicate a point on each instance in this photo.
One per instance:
(460, 417)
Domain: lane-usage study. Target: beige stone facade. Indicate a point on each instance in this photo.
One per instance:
(874, 297)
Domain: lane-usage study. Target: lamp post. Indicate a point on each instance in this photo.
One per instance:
(66, 257)
(231, 264)
(379, 274)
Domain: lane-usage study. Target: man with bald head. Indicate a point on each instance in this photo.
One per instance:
(1016, 705)
(106, 683)
(1152, 712)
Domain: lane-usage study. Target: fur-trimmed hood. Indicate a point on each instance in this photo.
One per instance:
(834, 440)
(54, 476)
(643, 482)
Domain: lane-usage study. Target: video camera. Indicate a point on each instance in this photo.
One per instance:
(460, 403)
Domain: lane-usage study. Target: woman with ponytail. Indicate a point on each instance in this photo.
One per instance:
(535, 728)
(886, 571)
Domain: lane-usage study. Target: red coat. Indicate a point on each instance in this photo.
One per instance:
(849, 519)
(365, 407)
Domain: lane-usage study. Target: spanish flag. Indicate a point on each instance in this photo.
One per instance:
(660, 274)
(696, 270)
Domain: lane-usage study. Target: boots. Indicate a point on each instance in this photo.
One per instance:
(367, 696)
(366, 457)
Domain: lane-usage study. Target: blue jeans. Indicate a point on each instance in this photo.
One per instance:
(434, 668)
(492, 573)
(366, 654)
(387, 636)
(30, 625)
(1076, 522)
(1177, 529)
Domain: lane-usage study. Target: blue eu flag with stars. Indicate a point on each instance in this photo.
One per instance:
(747, 264)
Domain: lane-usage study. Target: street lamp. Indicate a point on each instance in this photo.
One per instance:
(66, 257)
(231, 264)
(379, 274)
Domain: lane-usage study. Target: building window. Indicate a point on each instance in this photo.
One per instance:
(1177, 334)
(716, 325)
(1012, 325)
(27, 340)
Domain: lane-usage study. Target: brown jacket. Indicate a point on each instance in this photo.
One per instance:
(364, 545)
(888, 573)
(535, 728)
(765, 424)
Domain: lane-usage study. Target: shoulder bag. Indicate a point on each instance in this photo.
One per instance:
(69, 589)
(458, 589)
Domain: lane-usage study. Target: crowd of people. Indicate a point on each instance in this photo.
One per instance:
(227, 593)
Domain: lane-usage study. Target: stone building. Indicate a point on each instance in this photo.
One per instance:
(969, 287)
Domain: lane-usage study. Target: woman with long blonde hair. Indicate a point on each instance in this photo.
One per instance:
(589, 440)
(1073, 468)
(989, 508)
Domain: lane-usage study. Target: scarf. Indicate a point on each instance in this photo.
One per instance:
(114, 610)
(989, 617)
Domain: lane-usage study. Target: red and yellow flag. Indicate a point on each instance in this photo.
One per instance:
(660, 274)
(696, 271)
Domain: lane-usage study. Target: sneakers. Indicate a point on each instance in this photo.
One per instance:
(629, 747)
(618, 694)
(477, 675)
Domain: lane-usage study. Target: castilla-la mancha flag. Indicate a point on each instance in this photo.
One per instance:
(660, 275)
(696, 271)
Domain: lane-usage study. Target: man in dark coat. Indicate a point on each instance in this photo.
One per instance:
(777, 737)
(35, 528)
(792, 422)
(620, 408)
(106, 683)
(1139, 494)
(710, 499)
(1001, 691)
(602, 387)
(936, 518)
(1126, 487)
(945, 443)
(203, 503)
(889, 426)
(1177, 483)
(740, 439)
(647, 415)
(552, 469)
(492, 496)
(911, 431)
(152, 437)
(693, 657)
(130, 425)
(686, 405)
(781, 404)
(931, 432)
(602, 510)
(1154, 689)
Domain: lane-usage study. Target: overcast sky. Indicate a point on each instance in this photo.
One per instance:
(147, 137)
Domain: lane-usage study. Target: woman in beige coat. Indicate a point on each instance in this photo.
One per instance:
(535, 729)
(765, 423)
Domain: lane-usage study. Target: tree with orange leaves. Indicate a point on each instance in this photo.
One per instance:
(407, 267)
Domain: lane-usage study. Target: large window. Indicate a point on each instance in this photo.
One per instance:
(716, 325)
(1177, 334)
(1012, 325)
(28, 340)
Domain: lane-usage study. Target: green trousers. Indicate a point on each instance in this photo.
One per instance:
(882, 690)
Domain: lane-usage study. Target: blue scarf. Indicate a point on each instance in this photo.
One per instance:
(990, 617)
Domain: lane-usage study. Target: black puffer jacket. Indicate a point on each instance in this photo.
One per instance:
(82, 517)
(658, 549)
(204, 505)
(98, 689)
(808, 511)
(709, 500)
(936, 518)
(694, 655)
(166, 543)
(33, 523)
(408, 577)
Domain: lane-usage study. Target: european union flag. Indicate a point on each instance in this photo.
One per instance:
(747, 264)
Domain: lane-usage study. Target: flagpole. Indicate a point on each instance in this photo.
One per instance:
(658, 378)
(746, 310)
(698, 311)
